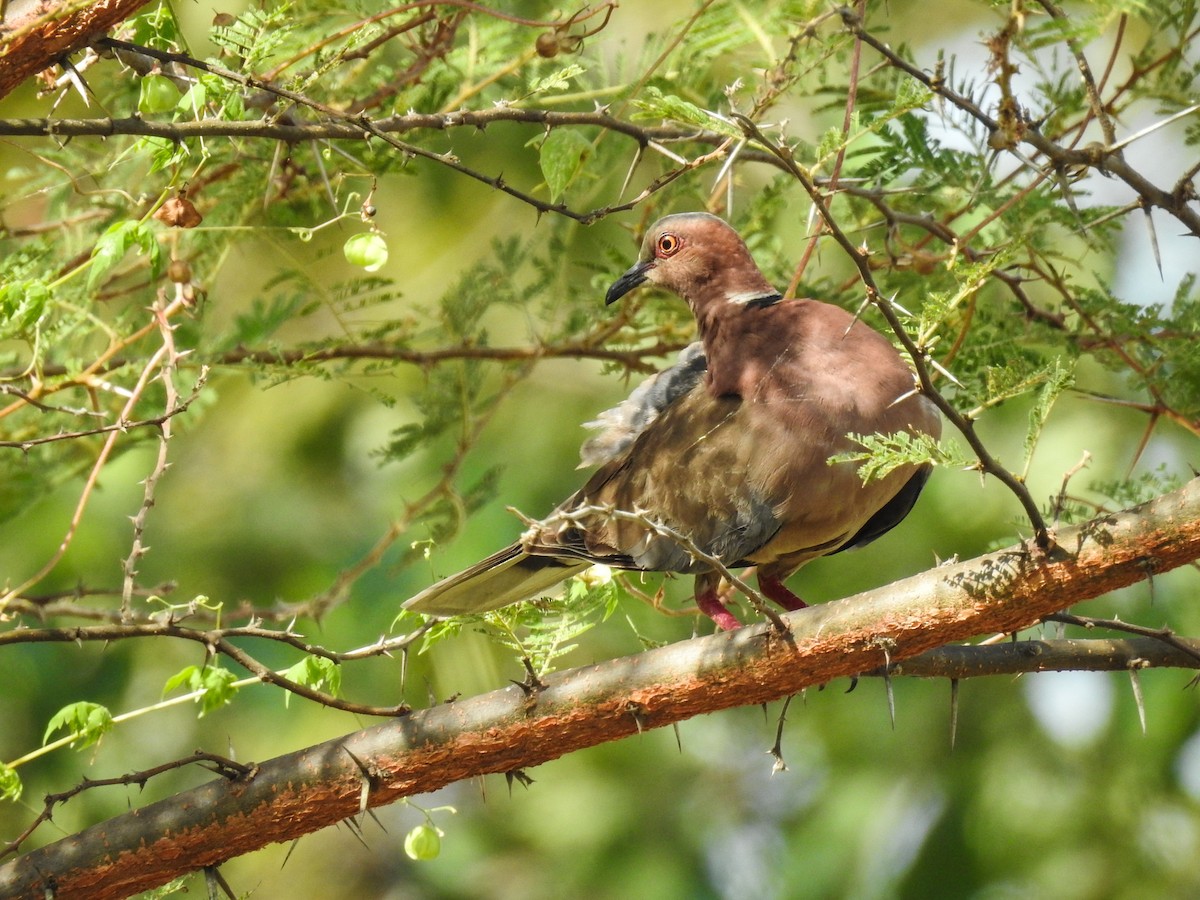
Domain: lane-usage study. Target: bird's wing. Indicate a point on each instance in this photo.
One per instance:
(512, 574)
(620, 426)
(891, 513)
(688, 472)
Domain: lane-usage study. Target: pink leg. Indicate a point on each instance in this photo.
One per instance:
(774, 589)
(710, 603)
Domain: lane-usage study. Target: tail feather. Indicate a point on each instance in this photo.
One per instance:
(509, 576)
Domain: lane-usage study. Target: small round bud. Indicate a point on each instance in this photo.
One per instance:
(547, 45)
(179, 271)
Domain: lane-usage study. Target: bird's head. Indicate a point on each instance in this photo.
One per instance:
(698, 257)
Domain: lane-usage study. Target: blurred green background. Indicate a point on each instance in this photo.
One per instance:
(1050, 790)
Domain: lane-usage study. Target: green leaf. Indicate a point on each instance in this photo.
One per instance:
(265, 316)
(183, 678)
(562, 154)
(116, 242)
(215, 684)
(830, 141)
(910, 94)
(1021, 377)
(1059, 377)
(22, 305)
(545, 629)
(192, 103)
(315, 672)
(109, 251)
(655, 104)
(556, 81)
(255, 34)
(884, 453)
(163, 152)
(368, 250)
(85, 722)
(10, 783)
(146, 239)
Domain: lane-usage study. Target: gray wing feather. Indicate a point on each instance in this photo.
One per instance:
(515, 573)
(620, 426)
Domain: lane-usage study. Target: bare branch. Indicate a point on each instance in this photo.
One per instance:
(634, 359)
(217, 640)
(338, 129)
(1016, 657)
(1060, 157)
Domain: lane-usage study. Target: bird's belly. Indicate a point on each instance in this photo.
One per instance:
(798, 545)
(817, 523)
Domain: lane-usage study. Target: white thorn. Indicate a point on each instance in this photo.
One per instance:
(1149, 129)
(892, 302)
(937, 365)
(671, 155)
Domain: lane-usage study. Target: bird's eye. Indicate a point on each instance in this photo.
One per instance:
(667, 244)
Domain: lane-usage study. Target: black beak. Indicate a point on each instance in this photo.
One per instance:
(627, 282)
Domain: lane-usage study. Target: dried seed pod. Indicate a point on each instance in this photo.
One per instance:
(547, 44)
(179, 212)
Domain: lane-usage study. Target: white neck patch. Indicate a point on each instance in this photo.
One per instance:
(744, 298)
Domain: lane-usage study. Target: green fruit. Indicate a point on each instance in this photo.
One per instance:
(423, 842)
(158, 95)
(368, 250)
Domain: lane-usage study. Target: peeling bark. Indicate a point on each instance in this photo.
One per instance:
(36, 35)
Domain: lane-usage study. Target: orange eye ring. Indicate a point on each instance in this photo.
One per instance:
(667, 245)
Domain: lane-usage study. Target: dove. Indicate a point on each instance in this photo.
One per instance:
(725, 456)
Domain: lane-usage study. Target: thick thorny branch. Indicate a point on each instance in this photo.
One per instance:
(222, 765)
(509, 729)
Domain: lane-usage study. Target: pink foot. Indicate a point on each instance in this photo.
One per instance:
(774, 589)
(710, 604)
